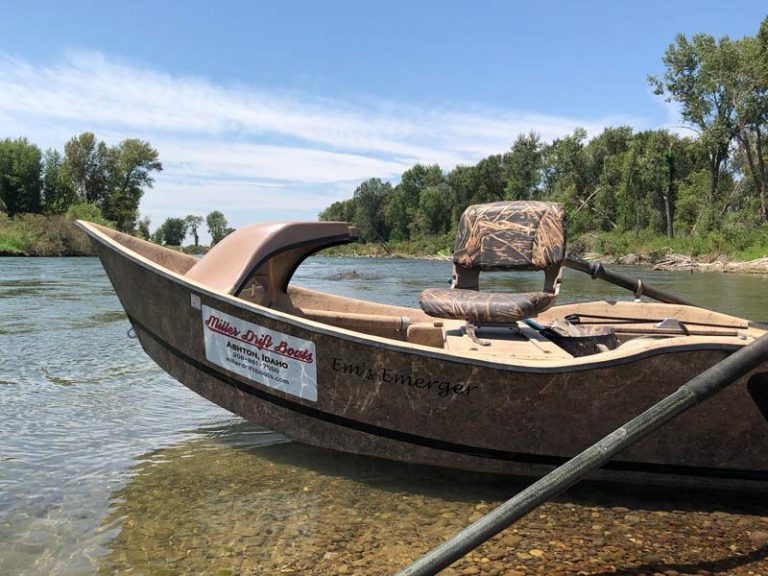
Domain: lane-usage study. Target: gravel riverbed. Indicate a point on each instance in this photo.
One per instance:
(294, 510)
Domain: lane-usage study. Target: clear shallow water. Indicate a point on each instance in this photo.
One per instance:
(107, 465)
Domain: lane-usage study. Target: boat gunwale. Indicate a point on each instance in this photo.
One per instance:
(530, 366)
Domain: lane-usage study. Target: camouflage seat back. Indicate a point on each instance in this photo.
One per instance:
(502, 236)
(522, 235)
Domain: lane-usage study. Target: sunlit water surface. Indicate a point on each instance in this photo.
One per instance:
(107, 465)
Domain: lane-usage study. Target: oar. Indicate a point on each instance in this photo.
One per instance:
(700, 388)
(634, 285)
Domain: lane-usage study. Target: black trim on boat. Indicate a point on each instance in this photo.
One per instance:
(405, 437)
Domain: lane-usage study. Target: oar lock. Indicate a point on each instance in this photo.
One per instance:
(638, 290)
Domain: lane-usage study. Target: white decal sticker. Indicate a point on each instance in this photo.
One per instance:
(269, 357)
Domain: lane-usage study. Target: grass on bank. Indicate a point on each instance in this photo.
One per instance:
(39, 235)
(56, 235)
(734, 243)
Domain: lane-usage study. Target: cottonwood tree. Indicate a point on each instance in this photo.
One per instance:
(434, 214)
(142, 228)
(340, 211)
(697, 76)
(402, 204)
(129, 170)
(748, 84)
(57, 189)
(193, 223)
(85, 163)
(523, 164)
(20, 176)
(218, 227)
(171, 232)
(113, 178)
(370, 206)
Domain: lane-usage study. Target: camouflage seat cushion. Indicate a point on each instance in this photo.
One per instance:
(483, 307)
(520, 235)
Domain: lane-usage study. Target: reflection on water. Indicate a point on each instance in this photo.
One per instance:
(108, 465)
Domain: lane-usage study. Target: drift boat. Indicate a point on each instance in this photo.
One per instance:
(498, 382)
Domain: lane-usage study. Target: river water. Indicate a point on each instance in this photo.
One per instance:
(108, 466)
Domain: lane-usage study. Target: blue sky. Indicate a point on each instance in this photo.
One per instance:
(273, 110)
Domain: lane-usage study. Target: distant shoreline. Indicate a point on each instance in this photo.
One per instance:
(55, 236)
(670, 262)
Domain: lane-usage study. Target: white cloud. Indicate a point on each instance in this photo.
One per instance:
(262, 154)
(289, 163)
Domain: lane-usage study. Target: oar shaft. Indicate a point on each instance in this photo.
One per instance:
(703, 386)
(634, 285)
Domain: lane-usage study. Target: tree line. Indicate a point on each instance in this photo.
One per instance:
(173, 231)
(621, 179)
(94, 181)
(111, 178)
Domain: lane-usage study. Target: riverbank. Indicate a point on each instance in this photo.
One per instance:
(682, 262)
(53, 235)
(714, 253)
(40, 235)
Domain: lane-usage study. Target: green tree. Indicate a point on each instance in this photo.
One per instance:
(646, 183)
(523, 165)
(171, 232)
(129, 170)
(193, 223)
(759, 117)
(20, 176)
(113, 178)
(568, 178)
(492, 180)
(89, 212)
(142, 228)
(696, 76)
(434, 214)
(370, 204)
(399, 215)
(748, 87)
(217, 226)
(341, 211)
(402, 205)
(58, 193)
(86, 163)
(463, 185)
